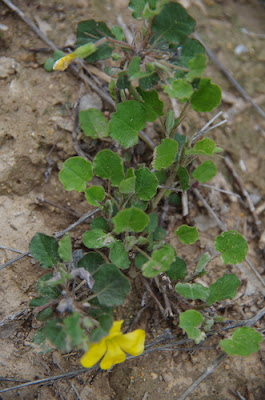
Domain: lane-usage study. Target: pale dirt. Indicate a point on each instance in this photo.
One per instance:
(31, 101)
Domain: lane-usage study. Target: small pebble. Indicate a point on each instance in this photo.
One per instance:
(153, 375)
(240, 49)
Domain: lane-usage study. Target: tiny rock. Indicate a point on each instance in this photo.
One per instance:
(8, 66)
(240, 49)
(91, 100)
(167, 377)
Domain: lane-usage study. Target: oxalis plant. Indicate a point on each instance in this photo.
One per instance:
(80, 290)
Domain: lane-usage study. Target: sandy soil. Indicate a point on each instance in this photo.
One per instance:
(36, 111)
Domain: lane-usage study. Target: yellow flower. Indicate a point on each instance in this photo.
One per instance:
(113, 347)
(81, 52)
(62, 63)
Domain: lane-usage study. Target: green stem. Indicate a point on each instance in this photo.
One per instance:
(133, 92)
(142, 252)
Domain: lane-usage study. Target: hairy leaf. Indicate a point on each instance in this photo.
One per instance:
(205, 147)
(204, 172)
(177, 269)
(111, 286)
(44, 249)
(179, 89)
(165, 154)
(244, 342)
(75, 173)
(207, 97)
(153, 105)
(160, 262)
(108, 165)
(173, 23)
(91, 262)
(97, 238)
(190, 321)
(127, 122)
(132, 219)
(184, 178)
(119, 256)
(187, 234)
(203, 261)
(65, 248)
(146, 184)
(192, 291)
(94, 195)
(224, 288)
(93, 123)
(232, 246)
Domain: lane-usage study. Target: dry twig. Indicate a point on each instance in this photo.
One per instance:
(221, 225)
(244, 191)
(51, 203)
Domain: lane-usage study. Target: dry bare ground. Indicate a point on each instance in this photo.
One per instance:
(37, 112)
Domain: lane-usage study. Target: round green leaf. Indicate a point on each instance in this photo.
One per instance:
(244, 342)
(187, 234)
(127, 122)
(93, 123)
(146, 184)
(207, 97)
(192, 291)
(224, 288)
(94, 195)
(132, 219)
(97, 238)
(189, 322)
(127, 185)
(108, 165)
(75, 173)
(165, 154)
(232, 246)
(204, 172)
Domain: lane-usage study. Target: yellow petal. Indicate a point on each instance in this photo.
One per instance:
(115, 329)
(133, 342)
(114, 355)
(94, 354)
(62, 63)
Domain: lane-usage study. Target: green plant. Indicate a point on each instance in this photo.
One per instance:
(77, 299)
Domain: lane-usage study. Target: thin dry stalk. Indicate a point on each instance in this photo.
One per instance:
(221, 225)
(244, 191)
